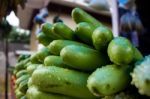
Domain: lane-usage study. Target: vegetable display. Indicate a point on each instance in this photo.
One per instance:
(85, 63)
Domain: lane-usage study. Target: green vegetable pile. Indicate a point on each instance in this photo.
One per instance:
(85, 63)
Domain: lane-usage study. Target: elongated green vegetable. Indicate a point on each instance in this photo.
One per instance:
(54, 61)
(120, 51)
(59, 80)
(109, 80)
(21, 65)
(34, 59)
(137, 55)
(22, 78)
(23, 86)
(18, 94)
(43, 39)
(64, 31)
(34, 93)
(30, 84)
(47, 29)
(84, 32)
(56, 46)
(23, 97)
(21, 73)
(83, 58)
(80, 15)
(101, 38)
(31, 68)
(40, 55)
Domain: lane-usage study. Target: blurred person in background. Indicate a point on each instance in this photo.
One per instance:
(135, 24)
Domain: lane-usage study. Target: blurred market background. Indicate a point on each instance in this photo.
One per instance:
(24, 20)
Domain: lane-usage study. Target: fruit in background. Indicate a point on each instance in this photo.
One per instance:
(141, 76)
(57, 45)
(54, 61)
(80, 15)
(84, 32)
(63, 81)
(109, 80)
(43, 39)
(83, 58)
(101, 37)
(120, 51)
(64, 31)
(47, 29)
